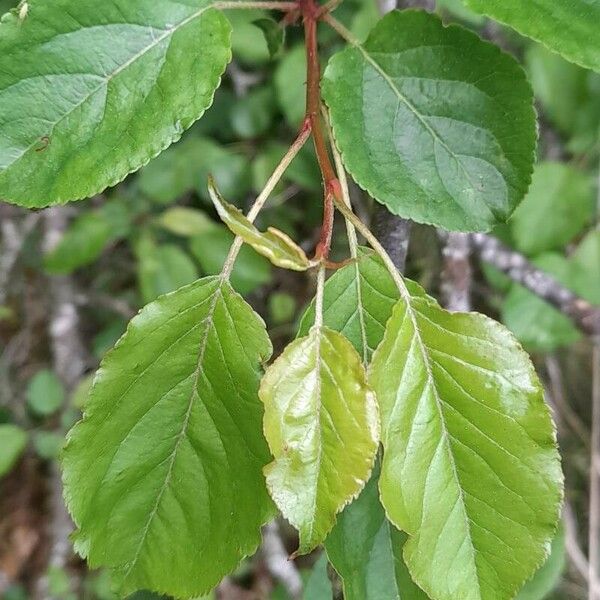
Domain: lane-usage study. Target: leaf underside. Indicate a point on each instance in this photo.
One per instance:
(91, 91)
(163, 476)
(569, 27)
(433, 122)
(322, 426)
(470, 469)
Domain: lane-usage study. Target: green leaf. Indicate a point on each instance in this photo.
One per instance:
(282, 307)
(163, 476)
(419, 112)
(547, 577)
(185, 167)
(458, 10)
(358, 301)
(539, 326)
(91, 92)
(322, 427)
(586, 268)
(186, 222)
(280, 249)
(107, 337)
(12, 443)
(569, 28)
(364, 19)
(318, 586)
(82, 244)
(162, 268)
(568, 96)
(290, 85)
(470, 467)
(249, 47)
(48, 444)
(559, 204)
(6, 5)
(45, 393)
(250, 270)
(274, 34)
(81, 393)
(366, 551)
(252, 115)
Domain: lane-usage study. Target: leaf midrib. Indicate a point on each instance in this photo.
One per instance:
(208, 319)
(445, 434)
(107, 79)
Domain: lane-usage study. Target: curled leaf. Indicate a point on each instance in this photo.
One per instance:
(279, 248)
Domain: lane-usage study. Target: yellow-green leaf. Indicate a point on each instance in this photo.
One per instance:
(470, 468)
(322, 426)
(279, 248)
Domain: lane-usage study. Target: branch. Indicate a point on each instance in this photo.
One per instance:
(520, 270)
(594, 507)
(278, 562)
(457, 274)
(13, 240)
(425, 4)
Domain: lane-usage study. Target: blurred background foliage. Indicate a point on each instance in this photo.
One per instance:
(157, 231)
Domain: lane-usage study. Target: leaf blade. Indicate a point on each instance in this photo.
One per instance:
(358, 300)
(81, 112)
(546, 22)
(169, 454)
(487, 473)
(420, 121)
(366, 551)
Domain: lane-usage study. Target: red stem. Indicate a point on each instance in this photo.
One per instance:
(311, 12)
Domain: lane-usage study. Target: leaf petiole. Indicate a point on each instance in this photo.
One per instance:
(374, 243)
(339, 28)
(261, 199)
(266, 5)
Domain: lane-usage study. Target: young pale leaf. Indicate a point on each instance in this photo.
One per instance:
(92, 91)
(322, 426)
(279, 248)
(569, 28)
(163, 476)
(470, 468)
(366, 551)
(186, 222)
(419, 112)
